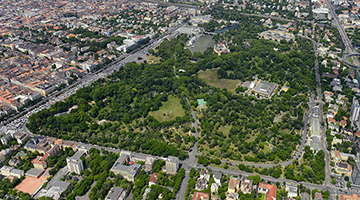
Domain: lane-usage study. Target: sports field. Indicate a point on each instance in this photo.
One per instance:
(31, 184)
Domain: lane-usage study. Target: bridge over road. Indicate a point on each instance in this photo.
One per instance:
(346, 59)
(355, 67)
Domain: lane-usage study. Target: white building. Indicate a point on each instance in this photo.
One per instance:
(172, 165)
(128, 44)
(75, 163)
(321, 11)
(292, 189)
(355, 109)
(214, 188)
(217, 177)
(116, 193)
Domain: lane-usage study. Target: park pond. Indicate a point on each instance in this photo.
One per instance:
(206, 41)
(224, 29)
(202, 44)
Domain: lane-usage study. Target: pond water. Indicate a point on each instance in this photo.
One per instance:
(224, 29)
(202, 44)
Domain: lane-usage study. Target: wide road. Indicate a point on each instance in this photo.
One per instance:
(187, 167)
(192, 160)
(195, 123)
(344, 37)
(182, 190)
(341, 30)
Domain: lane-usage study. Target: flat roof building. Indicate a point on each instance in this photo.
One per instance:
(129, 172)
(116, 193)
(217, 177)
(33, 172)
(172, 164)
(11, 171)
(265, 88)
(75, 163)
(17, 173)
(355, 110)
(292, 189)
(150, 161)
(55, 190)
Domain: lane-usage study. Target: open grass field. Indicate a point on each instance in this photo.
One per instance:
(210, 77)
(267, 147)
(225, 129)
(172, 109)
(153, 59)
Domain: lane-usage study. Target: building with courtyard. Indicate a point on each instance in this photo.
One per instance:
(265, 88)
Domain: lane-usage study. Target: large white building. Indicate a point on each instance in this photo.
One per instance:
(320, 10)
(75, 163)
(128, 45)
(172, 165)
(355, 109)
(122, 166)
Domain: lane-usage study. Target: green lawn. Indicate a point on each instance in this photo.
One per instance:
(225, 130)
(153, 59)
(267, 147)
(260, 196)
(172, 109)
(210, 77)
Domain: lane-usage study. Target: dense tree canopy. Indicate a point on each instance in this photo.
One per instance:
(116, 111)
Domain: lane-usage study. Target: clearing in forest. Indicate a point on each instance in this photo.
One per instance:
(169, 110)
(210, 77)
